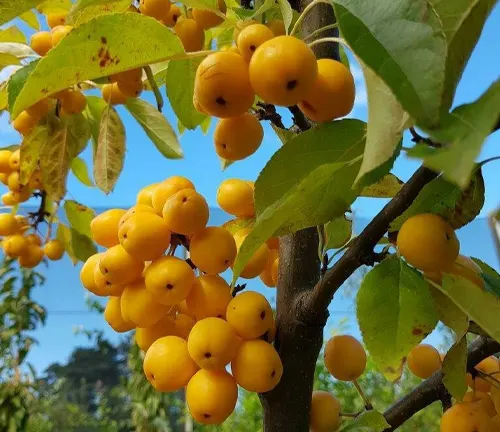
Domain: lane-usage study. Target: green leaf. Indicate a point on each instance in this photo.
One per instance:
(30, 152)
(307, 182)
(180, 90)
(79, 217)
(286, 13)
(447, 200)
(85, 10)
(101, 52)
(368, 421)
(455, 369)
(486, 269)
(67, 138)
(386, 122)
(402, 43)
(337, 232)
(10, 9)
(387, 187)
(482, 307)
(266, 5)
(201, 4)
(449, 314)
(16, 82)
(490, 276)
(31, 19)
(79, 169)
(83, 247)
(110, 154)
(54, 6)
(12, 34)
(156, 126)
(93, 112)
(205, 125)
(405, 313)
(464, 131)
(462, 23)
(64, 236)
(237, 224)
(284, 135)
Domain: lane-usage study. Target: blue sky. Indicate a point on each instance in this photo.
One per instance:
(64, 297)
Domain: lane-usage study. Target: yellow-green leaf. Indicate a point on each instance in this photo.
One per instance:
(79, 169)
(54, 6)
(449, 313)
(455, 369)
(64, 236)
(286, 13)
(79, 217)
(368, 421)
(10, 9)
(84, 10)
(110, 154)
(83, 247)
(93, 112)
(337, 232)
(31, 19)
(12, 34)
(387, 187)
(283, 134)
(30, 152)
(101, 52)
(237, 224)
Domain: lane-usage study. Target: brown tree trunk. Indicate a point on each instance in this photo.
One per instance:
(299, 331)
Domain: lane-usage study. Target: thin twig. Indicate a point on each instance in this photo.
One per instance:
(154, 87)
(368, 404)
(417, 138)
(299, 119)
(304, 13)
(267, 111)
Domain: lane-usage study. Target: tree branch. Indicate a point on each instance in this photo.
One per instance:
(267, 111)
(300, 119)
(433, 388)
(321, 296)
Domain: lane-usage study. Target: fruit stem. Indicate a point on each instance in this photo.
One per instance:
(328, 39)
(154, 87)
(305, 12)
(320, 30)
(353, 415)
(368, 405)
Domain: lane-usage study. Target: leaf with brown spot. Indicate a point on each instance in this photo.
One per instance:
(79, 217)
(110, 154)
(30, 152)
(387, 187)
(84, 10)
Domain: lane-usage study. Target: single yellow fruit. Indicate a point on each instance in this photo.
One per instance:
(41, 42)
(8, 224)
(489, 366)
(34, 239)
(236, 197)
(277, 27)
(209, 297)
(140, 307)
(240, 25)
(169, 279)
(212, 343)
(222, 85)
(120, 267)
(190, 33)
(4, 161)
(164, 190)
(423, 360)
(238, 137)
(182, 308)
(155, 8)
(213, 250)
(103, 287)
(495, 423)
(104, 227)
(167, 364)
(428, 243)
(10, 198)
(73, 102)
(39, 109)
(267, 274)
(291, 70)
(172, 16)
(208, 19)
(131, 89)
(211, 396)
(332, 94)
(186, 212)
(484, 399)
(345, 357)
(113, 316)
(56, 19)
(112, 94)
(325, 412)
(54, 250)
(15, 159)
(139, 208)
(250, 314)
(31, 257)
(145, 195)
(145, 337)
(466, 417)
(463, 266)
(15, 245)
(252, 37)
(59, 32)
(87, 272)
(255, 265)
(145, 236)
(128, 76)
(183, 325)
(257, 366)
(24, 123)
(14, 182)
